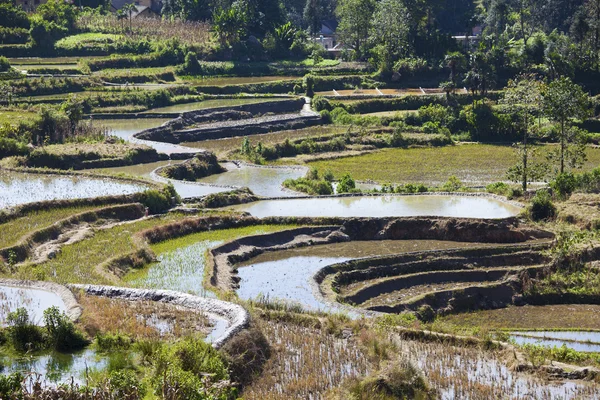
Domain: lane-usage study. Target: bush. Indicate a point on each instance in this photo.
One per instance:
(62, 334)
(157, 201)
(22, 333)
(320, 103)
(10, 385)
(192, 370)
(4, 64)
(126, 385)
(346, 184)
(111, 343)
(564, 184)
(12, 147)
(191, 64)
(326, 117)
(452, 185)
(542, 208)
(499, 188)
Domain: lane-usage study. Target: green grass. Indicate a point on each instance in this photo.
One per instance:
(571, 316)
(14, 117)
(471, 163)
(86, 39)
(77, 263)
(183, 260)
(12, 231)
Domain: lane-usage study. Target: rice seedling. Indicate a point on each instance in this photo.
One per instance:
(305, 363)
(460, 372)
(78, 262)
(181, 262)
(435, 165)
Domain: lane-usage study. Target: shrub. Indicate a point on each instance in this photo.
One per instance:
(157, 201)
(564, 184)
(126, 385)
(326, 117)
(346, 184)
(246, 354)
(541, 207)
(499, 188)
(112, 342)
(425, 313)
(22, 333)
(10, 385)
(452, 185)
(191, 370)
(191, 64)
(320, 103)
(62, 334)
(4, 64)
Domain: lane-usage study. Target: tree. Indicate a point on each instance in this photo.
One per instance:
(522, 98)
(231, 24)
(121, 16)
(389, 31)
(563, 102)
(313, 14)
(455, 61)
(355, 22)
(73, 109)
(129, 9)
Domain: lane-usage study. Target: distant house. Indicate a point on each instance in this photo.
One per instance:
(327, 36)
(471, 41)
(144, 8)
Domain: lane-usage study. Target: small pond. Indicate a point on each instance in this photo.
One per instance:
(19, 188)
(576, 340)
(56, 368)
(383, 206)
(126, 128)
(261, 180)
(34, 300)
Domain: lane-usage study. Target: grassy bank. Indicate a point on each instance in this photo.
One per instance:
(471, 163)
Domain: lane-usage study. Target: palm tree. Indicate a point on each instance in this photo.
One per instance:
(129, 9)
(121, 16)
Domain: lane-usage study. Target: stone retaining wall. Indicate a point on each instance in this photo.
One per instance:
(236, 316)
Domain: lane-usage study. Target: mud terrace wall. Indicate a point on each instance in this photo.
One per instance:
(73, 309)
(221, 122)
(22, 249)
(237, 317)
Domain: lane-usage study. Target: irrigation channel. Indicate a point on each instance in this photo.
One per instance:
(432, 248)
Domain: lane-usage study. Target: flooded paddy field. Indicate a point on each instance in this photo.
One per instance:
(263, 181)
(383, 206)
(576, 340)
(458, 372)
(288, 274)
(19, 188)
(181, 262)
(35, 301)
